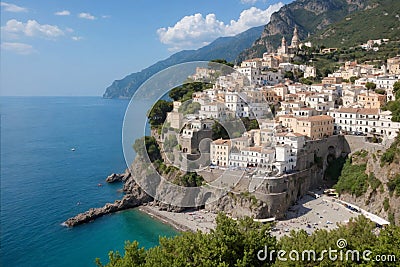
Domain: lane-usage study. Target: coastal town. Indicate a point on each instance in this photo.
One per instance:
(292, 118)
(265, 131)
(289, 113)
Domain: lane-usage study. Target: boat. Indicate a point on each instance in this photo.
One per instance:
(73, 149)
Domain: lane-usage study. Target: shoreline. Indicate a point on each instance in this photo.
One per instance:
(192, 221)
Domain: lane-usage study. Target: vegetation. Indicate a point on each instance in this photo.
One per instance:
(158, 113)
(394, 106)
(190, 179)
(373, 182)
(372, 23)
(386, 205)
(250, 124)
(236, 128)
(189, 107)
(232, 243)
(359, 235)
(237, 243)
(170, 142)
(334, 169)
(147, 144)
(353, 179)
(392, 152)
(394, 185)
(184, 92)
(219, 132)
(223, 62)
(370, 86)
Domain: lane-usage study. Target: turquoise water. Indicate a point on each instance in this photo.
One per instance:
(42, 181)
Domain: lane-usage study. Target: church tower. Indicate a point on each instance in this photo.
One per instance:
(295, 39)
(284, 46)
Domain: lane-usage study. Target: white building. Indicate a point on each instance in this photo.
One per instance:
(219, 152)
(213, 110)
(368, 121)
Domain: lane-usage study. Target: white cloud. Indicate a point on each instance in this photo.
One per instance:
(18, 48)
(31, 28)
(88, 16)
(12, 8)
(196, 31)
(77, 38)
(106, 16)
(62, 13)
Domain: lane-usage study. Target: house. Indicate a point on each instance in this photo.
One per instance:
(368, 121)
(219, 152)
(393, 65)
(193, 132)
(314, 127)
(371, 100)
(175, 118)
(213, 110)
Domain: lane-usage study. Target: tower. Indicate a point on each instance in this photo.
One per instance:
(284, 47)
(295, 39)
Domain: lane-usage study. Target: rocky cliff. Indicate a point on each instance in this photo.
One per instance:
(308, 16)
(380, 193)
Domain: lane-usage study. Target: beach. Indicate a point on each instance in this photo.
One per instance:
(184, 221)
(311, 214)
(308, 214)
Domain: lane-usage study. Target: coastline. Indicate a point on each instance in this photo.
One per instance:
(192, 221)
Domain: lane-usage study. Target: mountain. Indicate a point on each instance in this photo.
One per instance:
(309, 16)
(381, 19)
(224, 48)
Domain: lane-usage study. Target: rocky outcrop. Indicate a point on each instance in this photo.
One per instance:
(240, 205)
(127, 202)
(134, 196)
(114, 177)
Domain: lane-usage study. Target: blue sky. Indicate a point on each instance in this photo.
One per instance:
(78, 47)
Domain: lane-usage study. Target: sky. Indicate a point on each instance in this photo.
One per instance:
(79, 47)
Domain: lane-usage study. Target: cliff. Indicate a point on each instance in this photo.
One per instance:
(378, 20)
(375, 186)
(309, 16)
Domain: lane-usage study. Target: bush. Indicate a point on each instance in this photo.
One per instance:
(394, 185)
(353, 179)
(386, 205)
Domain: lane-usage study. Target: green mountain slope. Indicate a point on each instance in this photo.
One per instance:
(309, 16)
(381, 19)
(225, 47)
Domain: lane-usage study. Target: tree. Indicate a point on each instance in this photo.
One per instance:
(396, 90)
(232, 243)
(158, 112)
(353, 79)
(370, 86)
(184, 92)
(305, 81)
(189, 107)
(223, 61)
(218, 131)
(289, 75)
(149, 145)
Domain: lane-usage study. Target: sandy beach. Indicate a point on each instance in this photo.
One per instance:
(308, 214)
(311, 214)
(184, 221)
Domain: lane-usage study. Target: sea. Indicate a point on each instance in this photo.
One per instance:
(55, 152)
